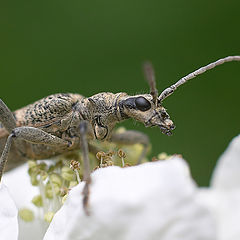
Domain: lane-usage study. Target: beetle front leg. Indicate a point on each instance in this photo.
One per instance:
(86, 170)
(6, 117)
(130, 137)
(32, 135)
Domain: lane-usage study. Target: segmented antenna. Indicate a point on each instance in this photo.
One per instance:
(150, 77)
(168, 91)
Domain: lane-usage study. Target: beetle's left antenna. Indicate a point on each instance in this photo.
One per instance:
(168, 91)
(150, 77)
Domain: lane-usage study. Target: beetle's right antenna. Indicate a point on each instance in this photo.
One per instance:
(150, 77)
(168, 91)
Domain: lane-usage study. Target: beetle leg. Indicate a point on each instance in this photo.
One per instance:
(5, 153)
(29, 134)
(130, 137)
(86, 170)
(6, 117)
(38, 136)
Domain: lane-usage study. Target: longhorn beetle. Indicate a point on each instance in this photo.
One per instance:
(61, 123)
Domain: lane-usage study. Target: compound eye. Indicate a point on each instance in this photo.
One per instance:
(142, 104)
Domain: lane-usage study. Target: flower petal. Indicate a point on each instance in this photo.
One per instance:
(227, 172)
(150, 201)
(223, 197)
(8, 215)
(225, 207)
(22, 192)
(19, 185)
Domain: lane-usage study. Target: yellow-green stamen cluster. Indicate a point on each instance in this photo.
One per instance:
(163, 156)
(57, 177)
(54, 182)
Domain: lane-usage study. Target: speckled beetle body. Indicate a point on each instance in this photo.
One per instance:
(61, 123)
(61, 114)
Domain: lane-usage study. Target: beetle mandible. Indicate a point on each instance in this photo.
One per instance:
(61, 123)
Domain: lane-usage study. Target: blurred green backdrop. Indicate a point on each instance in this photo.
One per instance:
(92, 46)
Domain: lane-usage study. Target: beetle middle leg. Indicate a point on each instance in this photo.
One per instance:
(32, 135)
(130, 137)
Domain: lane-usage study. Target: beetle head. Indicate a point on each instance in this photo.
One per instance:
(147, 108)
(143, 109)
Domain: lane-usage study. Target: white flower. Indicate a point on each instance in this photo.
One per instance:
(22, 192)
(223, 196)
(157, 200)
(8, 215)
(151, 201)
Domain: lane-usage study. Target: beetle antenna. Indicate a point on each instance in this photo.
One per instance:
(150, 77)
(168, 91)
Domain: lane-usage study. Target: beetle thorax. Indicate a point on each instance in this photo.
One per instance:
(105, 113)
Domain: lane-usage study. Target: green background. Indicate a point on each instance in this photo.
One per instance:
(93, 46)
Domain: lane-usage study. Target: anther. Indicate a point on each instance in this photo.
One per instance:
(122, 155)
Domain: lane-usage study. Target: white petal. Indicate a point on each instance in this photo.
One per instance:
(227, 172)
(150, 201)
(8, 215)
(223, 198)
(22, 192)
(225, 207)
(19, 185)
